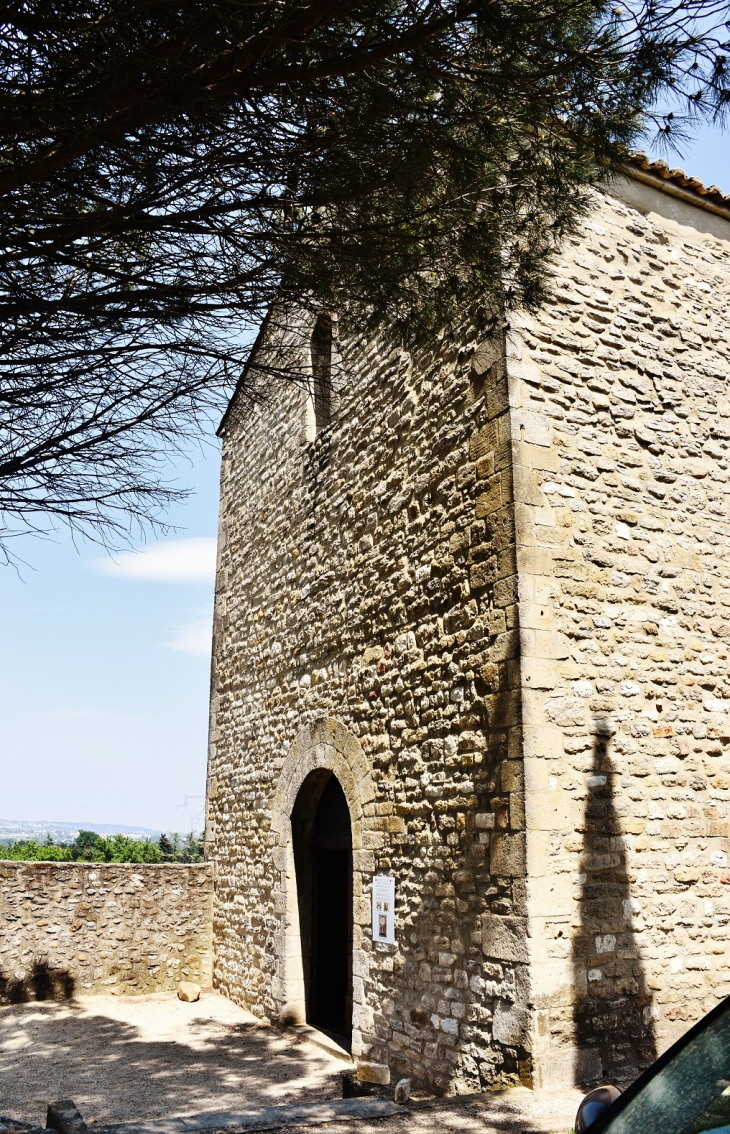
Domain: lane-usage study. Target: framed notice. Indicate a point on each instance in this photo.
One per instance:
(384, 909)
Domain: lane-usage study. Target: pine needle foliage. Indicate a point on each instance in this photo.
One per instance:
(170, 170)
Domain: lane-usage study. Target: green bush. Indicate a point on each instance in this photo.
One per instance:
(29, 850)
(88, 846)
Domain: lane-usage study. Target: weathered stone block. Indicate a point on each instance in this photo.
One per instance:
(531, 428)
(565, 1066)
(402, 1091)
(511, 1024)
(373, 1073)
(558, 983)
(550, 810)
(188, 991)
(538, 673)
(505, 938)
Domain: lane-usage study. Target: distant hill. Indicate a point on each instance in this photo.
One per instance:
(14, 829)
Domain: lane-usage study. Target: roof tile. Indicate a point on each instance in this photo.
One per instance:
(660, 168)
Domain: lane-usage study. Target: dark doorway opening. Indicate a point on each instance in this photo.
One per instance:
(323, 859)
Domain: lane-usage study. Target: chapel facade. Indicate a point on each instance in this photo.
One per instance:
(471, 634)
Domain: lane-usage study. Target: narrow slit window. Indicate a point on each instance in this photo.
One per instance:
(321, 347)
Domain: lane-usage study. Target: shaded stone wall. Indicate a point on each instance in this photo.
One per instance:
(100, 927)
(365, 615)
(502, 575)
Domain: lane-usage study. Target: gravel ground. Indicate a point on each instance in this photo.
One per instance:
(144, 1057)
(517, 1111)
(129, 1057)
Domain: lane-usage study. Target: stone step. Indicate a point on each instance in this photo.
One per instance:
(320, 1039)
(262, 1118)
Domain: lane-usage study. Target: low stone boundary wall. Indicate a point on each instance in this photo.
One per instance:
(88, 928)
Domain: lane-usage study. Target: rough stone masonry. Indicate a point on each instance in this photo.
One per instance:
(492, 596)
(89, 928)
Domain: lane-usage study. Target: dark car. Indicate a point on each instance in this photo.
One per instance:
(686, 1091)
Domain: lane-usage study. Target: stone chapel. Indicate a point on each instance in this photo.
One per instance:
(472, 633)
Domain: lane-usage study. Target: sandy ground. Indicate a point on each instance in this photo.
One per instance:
(144, 1057)
(517, 1111)
(121, 1058)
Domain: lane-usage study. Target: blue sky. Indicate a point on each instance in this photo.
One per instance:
(104, 672)
(707, 157)
(104, 665)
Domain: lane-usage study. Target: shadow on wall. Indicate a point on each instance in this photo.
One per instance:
(613, 1018)
(41, 982)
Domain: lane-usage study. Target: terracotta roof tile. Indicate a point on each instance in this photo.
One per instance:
(660, 169)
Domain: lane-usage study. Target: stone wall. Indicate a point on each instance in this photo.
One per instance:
(623, 533)
(490, 598)
(365, 622)
(101, 927)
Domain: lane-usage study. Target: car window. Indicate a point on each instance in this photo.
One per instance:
(687, 1091)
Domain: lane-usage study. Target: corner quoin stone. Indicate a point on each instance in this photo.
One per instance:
(505, 938)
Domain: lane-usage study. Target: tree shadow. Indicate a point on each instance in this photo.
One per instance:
(41, 983)
(612, 1018)
(116, 1071)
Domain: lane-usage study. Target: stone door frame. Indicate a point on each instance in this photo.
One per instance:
(328, 745)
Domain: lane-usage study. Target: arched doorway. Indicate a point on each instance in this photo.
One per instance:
(322, 837)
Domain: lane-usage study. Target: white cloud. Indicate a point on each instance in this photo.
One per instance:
(193, 636)
(176, 561)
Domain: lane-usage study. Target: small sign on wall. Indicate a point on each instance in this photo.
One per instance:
(384, 909)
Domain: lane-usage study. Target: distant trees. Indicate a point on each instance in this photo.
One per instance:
(167, 171)
(182, 848)
(85, 844)
(88, 846)
(30, 850)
